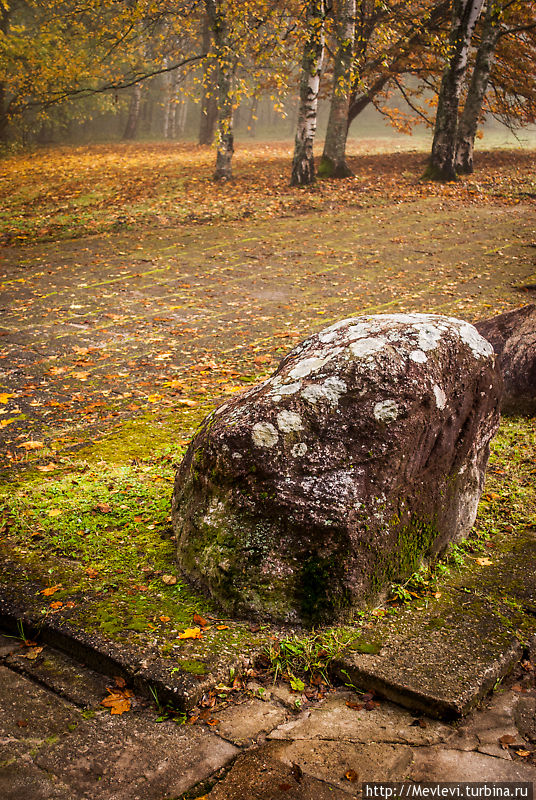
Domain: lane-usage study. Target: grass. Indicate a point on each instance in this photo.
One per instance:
(98, 533)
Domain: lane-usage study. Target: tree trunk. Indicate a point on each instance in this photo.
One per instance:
(225, 75)
(333, 163)
(209, 101)
(303, 165)
(468, 122)
(442, 165)
(133, 113)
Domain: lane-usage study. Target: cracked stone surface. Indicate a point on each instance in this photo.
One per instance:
(241, 724)
(335, 720)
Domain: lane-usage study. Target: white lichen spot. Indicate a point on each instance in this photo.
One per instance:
(429, 336)
(290, 388)
(288, 421)
(386, 411)
(330, 391)
(418, 356)
(299, 450)
(367, 347)
(440, 397)
(308, 365)
(264, 434)
(480, 347)
(236, 455)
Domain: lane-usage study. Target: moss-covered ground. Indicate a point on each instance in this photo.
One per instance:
(119, 335)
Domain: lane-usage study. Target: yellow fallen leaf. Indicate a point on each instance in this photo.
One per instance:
(5, 422)
(484, 562)
(222, 627)
(51, 590)
(4, 396)
(169, 580)
(191, 633)
(164, 619)
(32, 654)
(118, 701)
(48, 467)
(32, 445)
(55, 512)
(154, 398)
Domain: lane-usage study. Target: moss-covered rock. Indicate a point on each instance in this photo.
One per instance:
(363, 454)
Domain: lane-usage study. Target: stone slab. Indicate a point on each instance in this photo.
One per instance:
(66, 677)
(29, 715)
(435, 764)
(28, 782)
(443, 658)
(243, 723)
(132, 757)
(334, 720)
(261, 775)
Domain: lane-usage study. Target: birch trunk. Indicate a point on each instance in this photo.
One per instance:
(303, 165)
(225, 76)
(468, 124)
(209, 101)
(333, 163)
(442, 165)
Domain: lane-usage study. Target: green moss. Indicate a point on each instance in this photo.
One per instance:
(191, 666)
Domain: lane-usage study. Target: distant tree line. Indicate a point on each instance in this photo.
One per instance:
(451, 61)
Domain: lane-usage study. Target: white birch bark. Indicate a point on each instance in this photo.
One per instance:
(225, 76)
(303, 167)
(442, 164)
(333, 163)
(468, 123)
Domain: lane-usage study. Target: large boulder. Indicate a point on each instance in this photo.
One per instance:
(513, 336)
(364, 453)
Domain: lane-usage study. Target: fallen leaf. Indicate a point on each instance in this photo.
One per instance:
(22, 723)
(51, 590)
(523, 753)
(355, 706)
(191, 633)
(351, 775)
(91, 572)
(48, 467)
(55, 512)
(169, 580)
(199, 620)
(484, 562)
(222, 627)
(506, 740)
(57, 604)
(32, 653)
(185, 402)
(164, 619)
(120, 682)
(4, 397)
(31, 445)
(104, 508)
(118, 701)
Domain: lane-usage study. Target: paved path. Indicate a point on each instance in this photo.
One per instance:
(55, 748)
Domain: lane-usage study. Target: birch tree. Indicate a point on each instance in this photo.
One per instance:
(442, 165)
(333, 163)
(468, 124)
(303, 165)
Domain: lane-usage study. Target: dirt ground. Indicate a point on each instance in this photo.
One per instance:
(99, 329)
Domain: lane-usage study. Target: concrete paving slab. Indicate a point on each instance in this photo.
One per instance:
(260, 775)
(243, 723)
(335, 720)
(441, 660)
(330, 761)
(66, 677)
(8, 644)
(436, 764)
(31, 783)
(131, 757)
(29, 715)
